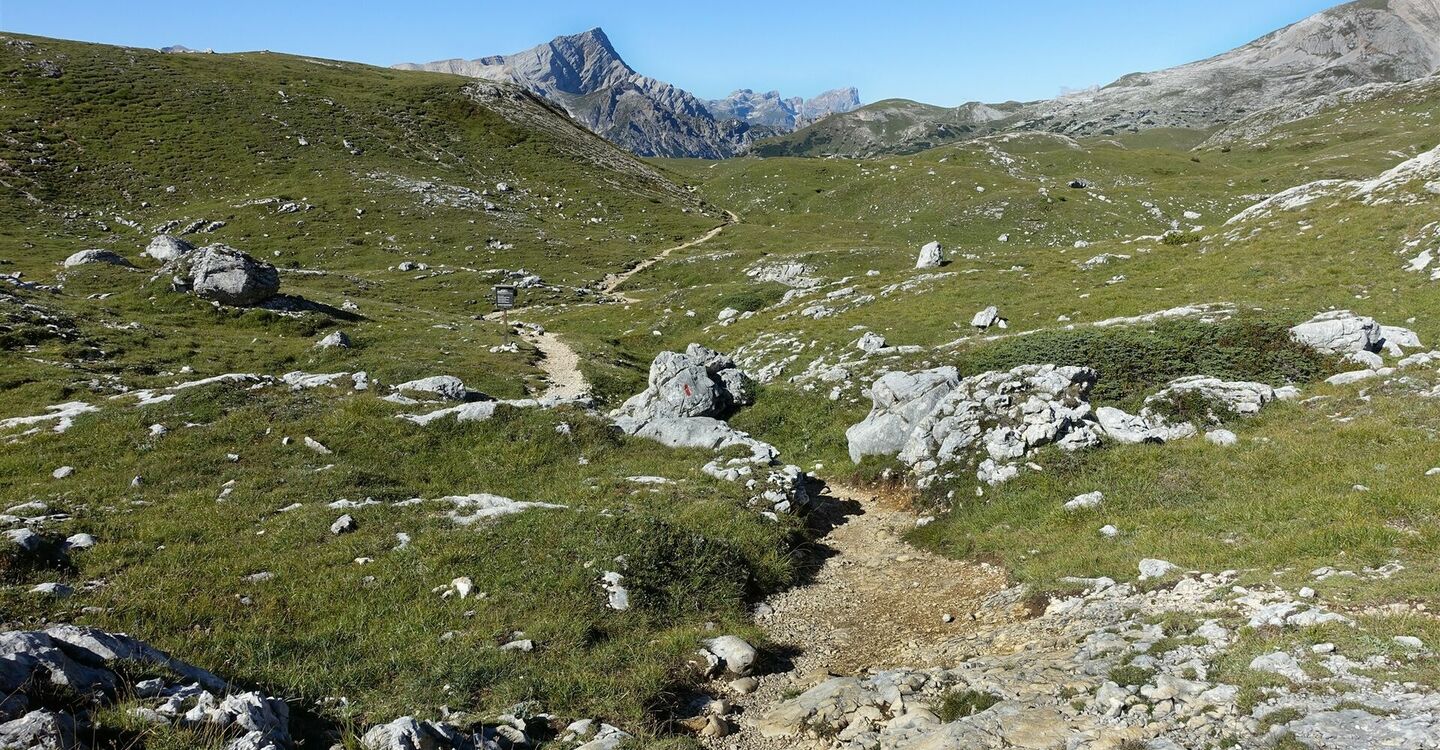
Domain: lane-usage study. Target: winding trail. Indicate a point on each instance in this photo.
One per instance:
(560, 362)
(615, 280)
(874, 602)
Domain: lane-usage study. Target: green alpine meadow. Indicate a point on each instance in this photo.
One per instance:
(530, 402)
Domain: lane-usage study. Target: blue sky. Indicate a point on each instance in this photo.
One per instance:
(931, 50)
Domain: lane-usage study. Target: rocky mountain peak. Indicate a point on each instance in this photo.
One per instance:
(584, 75)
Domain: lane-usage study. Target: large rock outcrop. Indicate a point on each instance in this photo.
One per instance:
(1340, 332)
(934, 419)
(34, 664)
(684, 405)
(698, 383)
(222, 274)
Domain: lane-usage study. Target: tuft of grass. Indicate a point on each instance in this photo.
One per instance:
(956, 704)
(1131, 675)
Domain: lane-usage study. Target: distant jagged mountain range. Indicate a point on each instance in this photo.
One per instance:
(584, 75)
(1358, 43)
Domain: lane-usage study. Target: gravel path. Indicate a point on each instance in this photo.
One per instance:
(874, 602)
(560, 364)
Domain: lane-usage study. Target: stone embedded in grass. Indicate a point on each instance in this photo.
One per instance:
(1152, 568)
(617, 596)
(1223, 438)
(260, 577)
(446, 387)
(317, 446)
(86, 257)
(407, 733)
(25, 539)
(79, 542)
(1410, 642)
(481, 506)
(53, 589)
(989, 318)
(63, 472)
(344, 525)
(336, 340)
(932, 255)
(870, 342)
(1340, 332)
(1085, 501)
(460, 588)
(1280, 663)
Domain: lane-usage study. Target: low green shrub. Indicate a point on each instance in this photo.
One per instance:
(1133, 362)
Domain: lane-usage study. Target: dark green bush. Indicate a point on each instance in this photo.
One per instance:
(755, 297)
(1180, 238)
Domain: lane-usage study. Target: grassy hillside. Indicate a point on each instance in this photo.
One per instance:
(337, 173)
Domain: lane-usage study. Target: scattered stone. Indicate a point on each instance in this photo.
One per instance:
(166, 248)
(86, 257)
(617, 596)
(1085, 501)
(63, 472)
(222, 274)
(336, 340)
(737, 656)
(987, 318)
(79, 542)
(1223, 438)
(446, 387)
(1152, 568)
(53, 589)
(344, 525)
(870, 342)
(1410, 642)
(932, 255)
(317, 446)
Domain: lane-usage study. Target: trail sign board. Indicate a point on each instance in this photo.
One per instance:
(505, 296)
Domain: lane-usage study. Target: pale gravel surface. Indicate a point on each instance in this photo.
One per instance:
(875, 602)
(560, 364)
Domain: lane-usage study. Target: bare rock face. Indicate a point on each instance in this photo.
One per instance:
(770, 110)
(1346, 46)
(220, 273)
